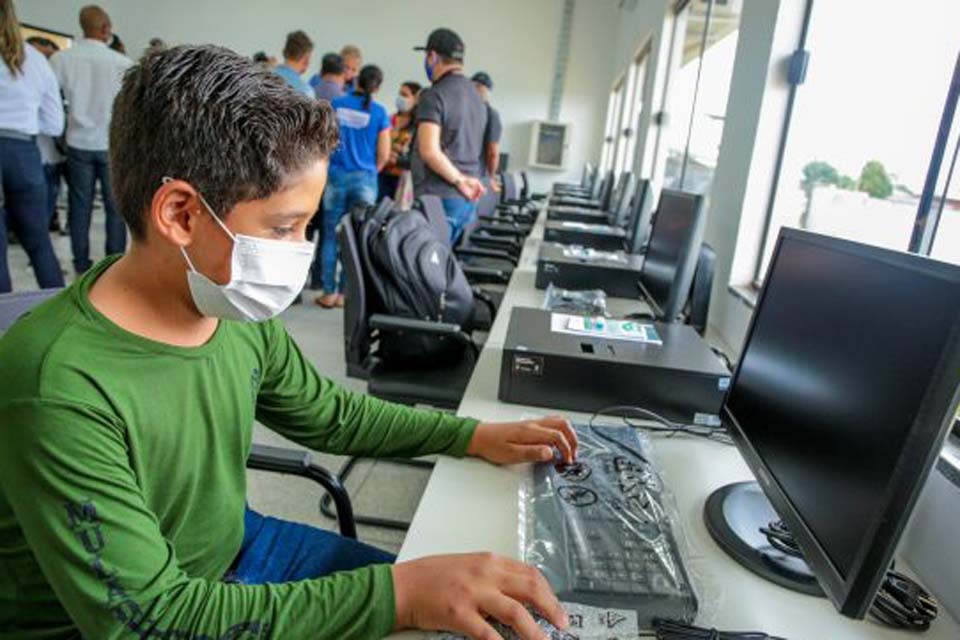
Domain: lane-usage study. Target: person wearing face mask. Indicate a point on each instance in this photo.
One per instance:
(296, 60)
(129, 399)
(402, 125)
(451, 119)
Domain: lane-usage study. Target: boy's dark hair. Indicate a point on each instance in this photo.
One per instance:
(260, 57)
(415, 87)
(368, 82)
(298, 45)
(331, 63)
(213, 118)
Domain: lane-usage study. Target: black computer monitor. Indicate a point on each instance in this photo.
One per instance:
(640, 213)
(620, 210)
(671, 257)
(848, 383)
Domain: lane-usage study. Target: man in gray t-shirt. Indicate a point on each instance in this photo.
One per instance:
(451, 120)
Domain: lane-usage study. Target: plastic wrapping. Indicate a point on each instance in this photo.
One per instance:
(592, 302)
(586, 623)
(604, 530)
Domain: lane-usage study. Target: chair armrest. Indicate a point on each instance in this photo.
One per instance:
(510, 244)
(396, 323)
(497, 254)
(486, 275)
(300, 463)
(502, 229)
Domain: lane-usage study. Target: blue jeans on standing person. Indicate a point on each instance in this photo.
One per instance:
(53, 174)
(276, 551)
(84, 170)
(344, 190)
(459, 214)
(23, 207)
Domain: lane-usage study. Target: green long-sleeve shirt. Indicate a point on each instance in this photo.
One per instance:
(122, 479)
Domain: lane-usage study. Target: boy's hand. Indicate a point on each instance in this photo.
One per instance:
(526, 441)
(456, 592)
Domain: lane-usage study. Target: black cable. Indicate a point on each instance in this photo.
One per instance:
(666, 426)
(671, 630)
(901, 602)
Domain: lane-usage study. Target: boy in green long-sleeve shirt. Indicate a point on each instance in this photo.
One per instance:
(127, 402)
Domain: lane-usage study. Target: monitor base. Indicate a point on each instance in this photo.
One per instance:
(734, 515)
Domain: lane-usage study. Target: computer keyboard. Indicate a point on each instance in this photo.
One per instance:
(599, 531)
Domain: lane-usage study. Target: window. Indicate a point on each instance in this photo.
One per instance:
(864, 121)
(699, 87)
(610, 138)
(625, 125)
(629, 124)
(946, 201)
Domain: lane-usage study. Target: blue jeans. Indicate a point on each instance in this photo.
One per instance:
(459, 214)
(344, 190)
(276, 551)
(84, 170)
(53, 174)
(23, 206)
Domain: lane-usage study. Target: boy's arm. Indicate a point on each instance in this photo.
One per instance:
(64, 470)
(296, 401)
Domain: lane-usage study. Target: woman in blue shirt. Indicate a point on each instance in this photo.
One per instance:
(30, 104)
(363, 151)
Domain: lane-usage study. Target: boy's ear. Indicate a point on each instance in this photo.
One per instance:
(174, 212)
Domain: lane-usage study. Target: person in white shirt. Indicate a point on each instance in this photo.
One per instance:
(29, 104)
(54, 162)
(90, 75)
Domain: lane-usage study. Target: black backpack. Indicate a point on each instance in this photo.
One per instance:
(412, 274)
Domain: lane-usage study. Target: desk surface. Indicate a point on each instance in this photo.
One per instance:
(470, 505)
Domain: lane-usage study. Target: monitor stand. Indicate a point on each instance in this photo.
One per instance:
(734, 515)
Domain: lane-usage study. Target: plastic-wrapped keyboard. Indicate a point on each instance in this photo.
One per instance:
(602, 532)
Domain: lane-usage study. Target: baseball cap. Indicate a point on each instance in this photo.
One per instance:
(446, 42)
(482, 77)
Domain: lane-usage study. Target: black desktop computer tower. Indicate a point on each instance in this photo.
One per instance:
(680, 379)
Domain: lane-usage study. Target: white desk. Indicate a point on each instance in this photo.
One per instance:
(471, 505)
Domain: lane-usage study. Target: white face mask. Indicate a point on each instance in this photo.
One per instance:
(265, 277)
(403, 104)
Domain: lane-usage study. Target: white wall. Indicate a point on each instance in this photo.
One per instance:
(513, 41)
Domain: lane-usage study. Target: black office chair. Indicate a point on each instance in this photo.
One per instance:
(441, 386)
(262, 457)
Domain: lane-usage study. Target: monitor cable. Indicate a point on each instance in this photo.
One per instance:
(673, 630)
(664, 426)
(901, 602)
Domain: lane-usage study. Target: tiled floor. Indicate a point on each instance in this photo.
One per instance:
(376, 488)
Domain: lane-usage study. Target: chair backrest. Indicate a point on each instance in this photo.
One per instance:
(15, 305)
(356, 331)
(599, 185)
(587, 176)
(524, 185)
(510, 189)
(487, 204)
(702, 289)
(606, 192)
(432, 209)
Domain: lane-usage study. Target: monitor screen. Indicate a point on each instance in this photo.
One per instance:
(845, 343)
(672, 239)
